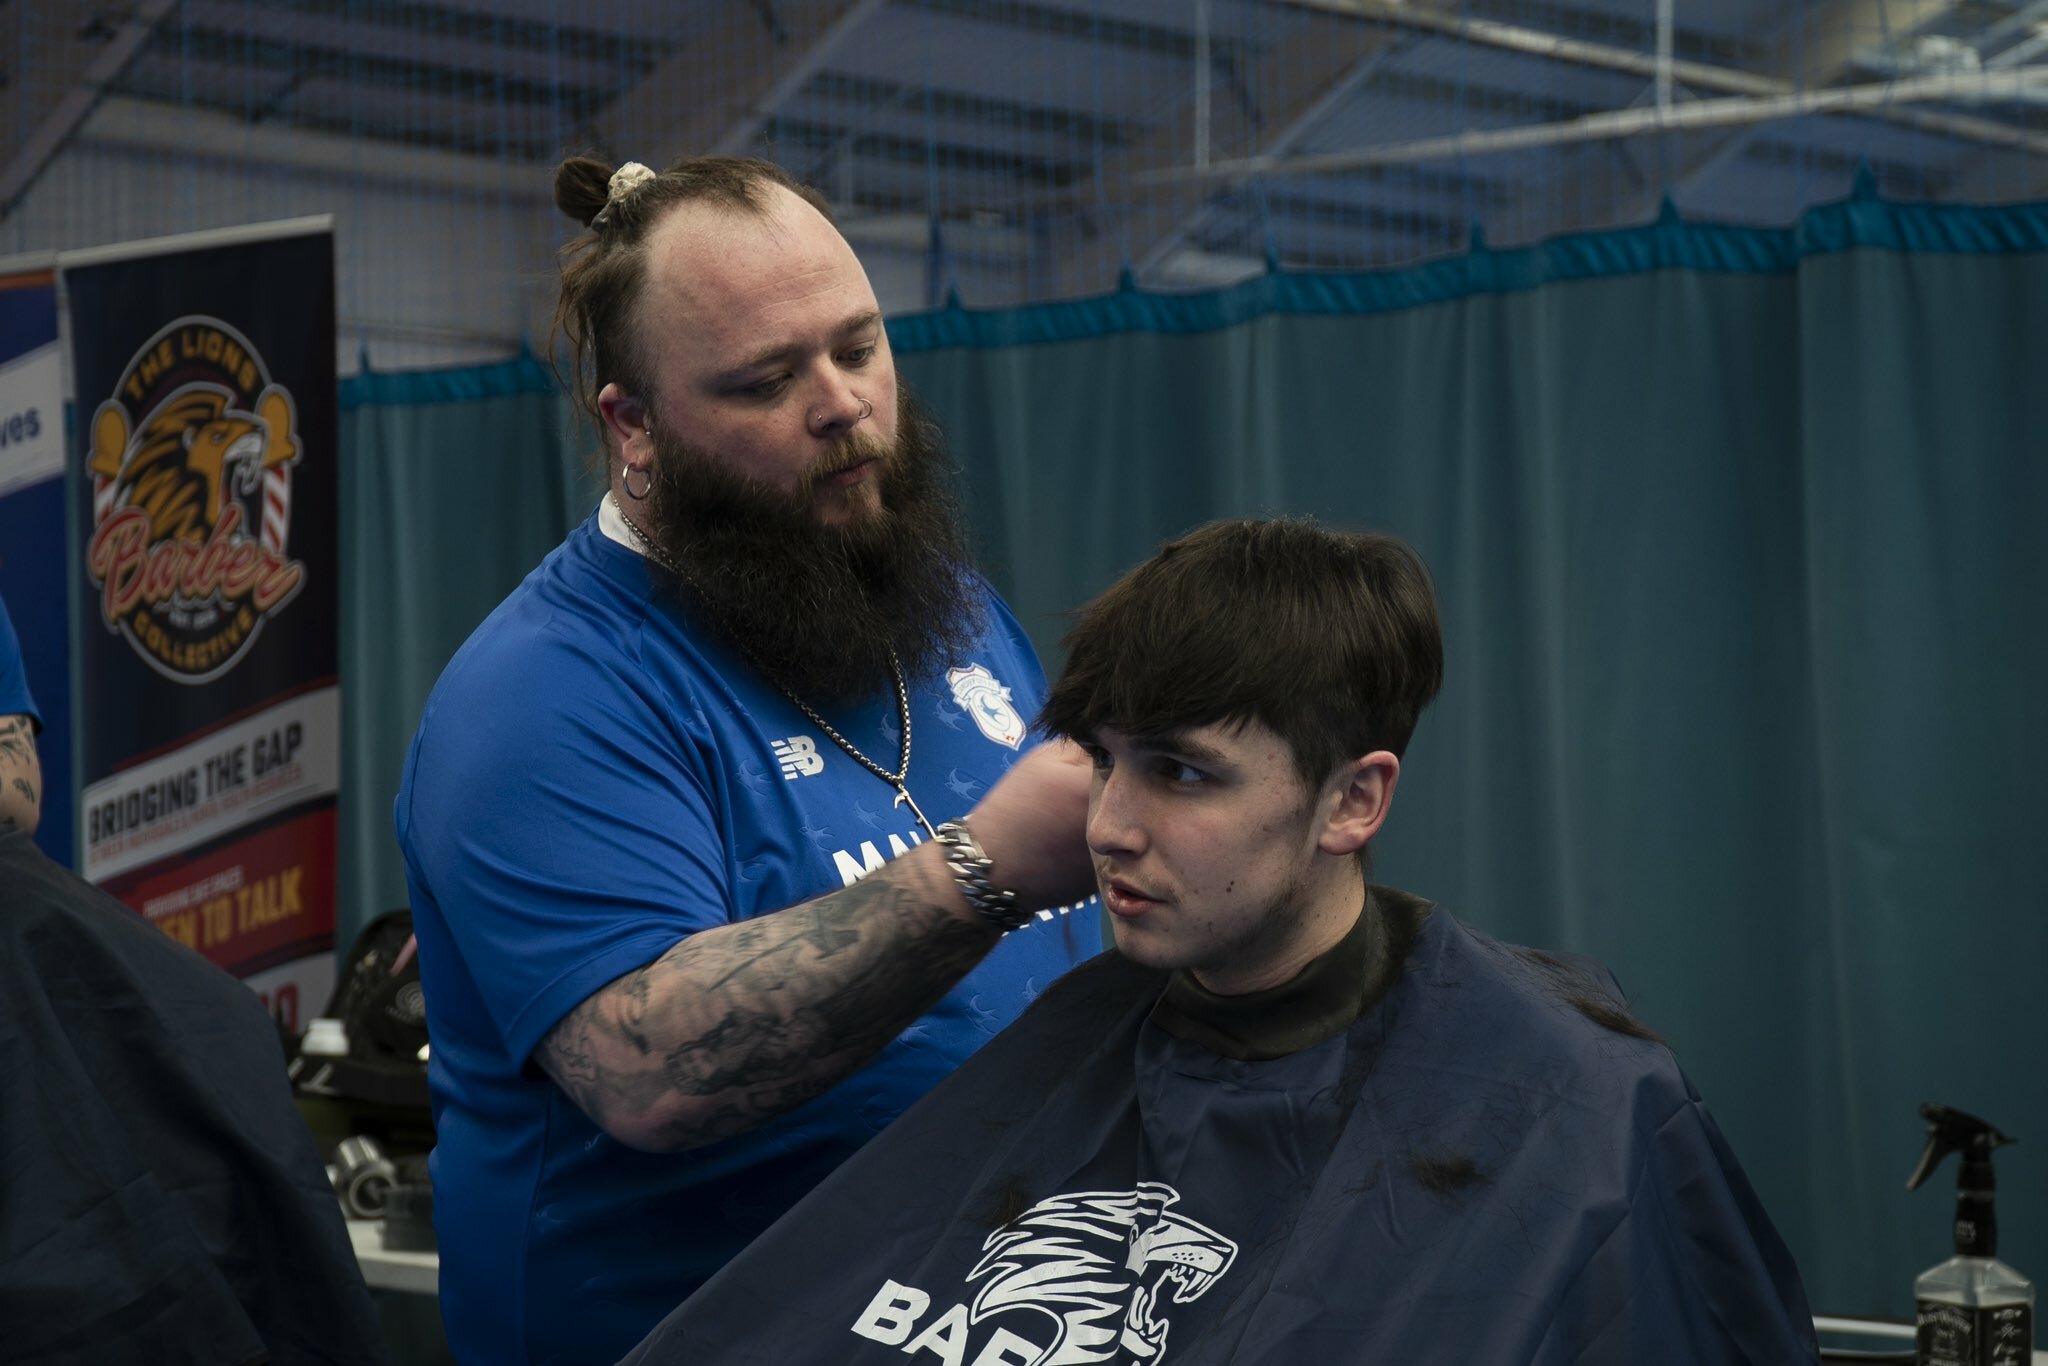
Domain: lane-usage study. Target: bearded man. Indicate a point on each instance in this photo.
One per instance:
(673, 977)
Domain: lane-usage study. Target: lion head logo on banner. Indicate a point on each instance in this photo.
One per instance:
(192, 500)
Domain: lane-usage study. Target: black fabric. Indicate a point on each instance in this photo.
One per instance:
(1481, 1169)
(1321, 1001)
(384, 1011)
(161, 1201)
(383, 1077)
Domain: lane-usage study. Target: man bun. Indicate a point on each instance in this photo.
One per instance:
(582, 187)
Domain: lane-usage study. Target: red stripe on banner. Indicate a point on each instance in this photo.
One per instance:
(249, 904)
(277, 502)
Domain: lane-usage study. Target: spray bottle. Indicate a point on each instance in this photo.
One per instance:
(1974, 1310)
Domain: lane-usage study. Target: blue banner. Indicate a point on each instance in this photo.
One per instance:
(32, 555)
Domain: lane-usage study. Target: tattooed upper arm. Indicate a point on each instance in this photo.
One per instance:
(591, 1053)
(21, 774)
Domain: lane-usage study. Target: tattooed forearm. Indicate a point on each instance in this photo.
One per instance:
(737, 1025)
(21, 775)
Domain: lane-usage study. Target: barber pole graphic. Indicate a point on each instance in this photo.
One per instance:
(277, 509)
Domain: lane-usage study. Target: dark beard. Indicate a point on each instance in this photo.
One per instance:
(818, 609)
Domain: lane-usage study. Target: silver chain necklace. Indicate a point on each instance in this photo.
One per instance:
(898, 779)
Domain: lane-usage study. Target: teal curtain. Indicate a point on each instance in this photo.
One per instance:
(455, 483)
(1739, 540)
(1739, 537)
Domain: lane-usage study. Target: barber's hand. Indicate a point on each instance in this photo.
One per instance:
(1032, 825)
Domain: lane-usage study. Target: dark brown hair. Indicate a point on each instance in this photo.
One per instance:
(1329, 639)
(604, 268)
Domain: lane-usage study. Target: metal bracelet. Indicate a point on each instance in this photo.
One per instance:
(970, 867)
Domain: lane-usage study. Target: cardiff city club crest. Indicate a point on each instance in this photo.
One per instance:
(988, 702)
(191, 472)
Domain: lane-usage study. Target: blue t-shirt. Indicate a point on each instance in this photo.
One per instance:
(594, 778)
(14, 694)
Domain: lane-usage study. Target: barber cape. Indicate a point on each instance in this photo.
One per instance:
(1455, 1156)
(161, 1200)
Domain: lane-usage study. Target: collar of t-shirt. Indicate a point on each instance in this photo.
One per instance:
(1320, 1001)
(613, 524)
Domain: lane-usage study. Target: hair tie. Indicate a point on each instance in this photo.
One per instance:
(624, 181)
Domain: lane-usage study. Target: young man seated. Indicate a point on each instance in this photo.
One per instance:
(1294, 1116)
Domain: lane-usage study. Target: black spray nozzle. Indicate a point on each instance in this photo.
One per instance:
(1952, 1131)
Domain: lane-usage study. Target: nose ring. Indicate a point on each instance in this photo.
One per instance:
(867, 410)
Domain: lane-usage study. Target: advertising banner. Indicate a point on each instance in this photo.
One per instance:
(206, 484)
(32, 555)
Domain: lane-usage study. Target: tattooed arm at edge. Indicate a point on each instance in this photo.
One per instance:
(21, 774)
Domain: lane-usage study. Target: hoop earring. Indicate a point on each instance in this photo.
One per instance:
(626, 481)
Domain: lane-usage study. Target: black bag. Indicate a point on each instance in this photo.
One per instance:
(385, 1014)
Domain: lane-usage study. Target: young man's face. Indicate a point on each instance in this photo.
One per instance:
(1207, 850)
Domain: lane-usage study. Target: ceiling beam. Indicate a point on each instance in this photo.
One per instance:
(1818, 49)
(1830, 51)
(1333, 97)
(764, 54)
(801, 69)
(1532, 42)
(108, 59)
(1817, 56)
(1989, 176)
(1811, 49)
(123, 123)
(1732, 111)
(1135, 211)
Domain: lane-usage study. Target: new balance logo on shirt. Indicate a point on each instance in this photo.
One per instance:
(799, 757)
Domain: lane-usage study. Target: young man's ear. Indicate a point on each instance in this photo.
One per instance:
(1360, 795)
